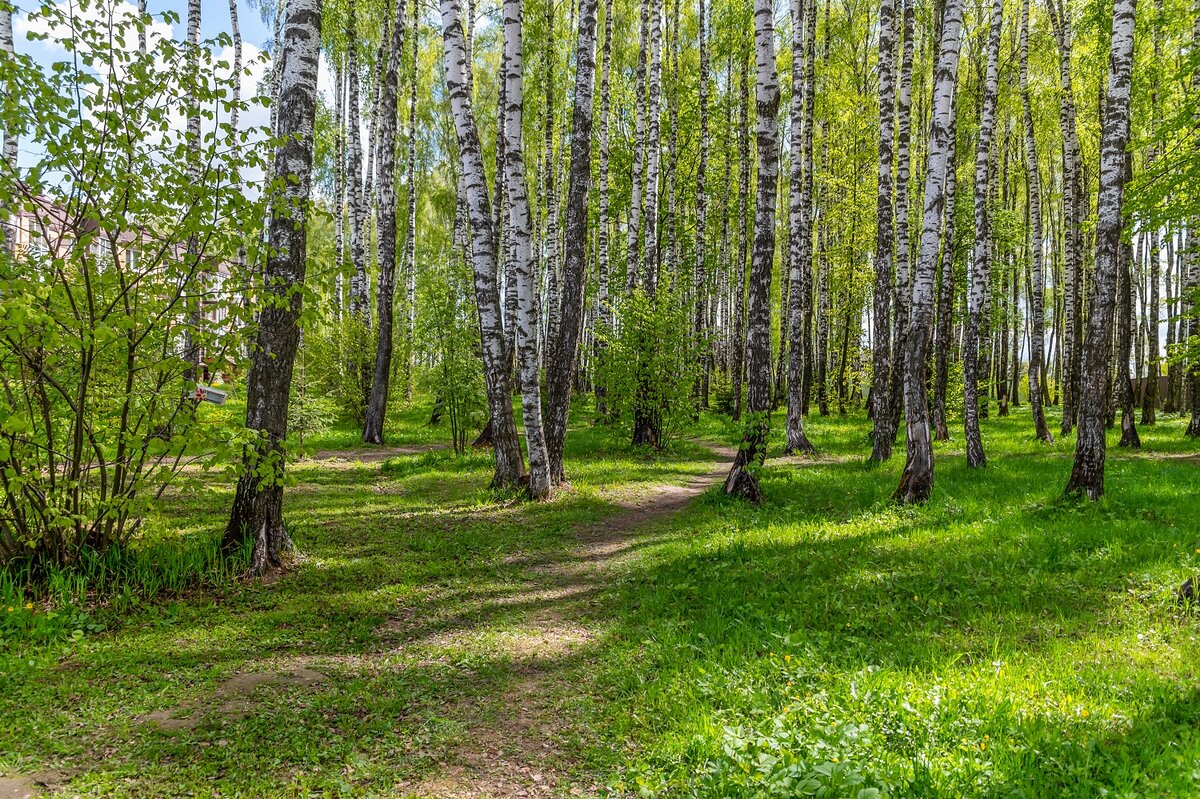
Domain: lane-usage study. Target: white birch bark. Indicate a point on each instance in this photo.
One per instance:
(506, 446)
(742, 481)
(1087, 474)
(979, 269)
(917, 481)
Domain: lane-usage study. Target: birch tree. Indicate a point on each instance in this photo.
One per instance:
(883, 434)
(509, 467)
(1087, 474)
(560, 370)
(387, 214)
(258, 504)
(917, 481)
(743, 480)
(979, 274)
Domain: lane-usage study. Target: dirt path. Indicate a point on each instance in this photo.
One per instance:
(374, 454)
(510, 749)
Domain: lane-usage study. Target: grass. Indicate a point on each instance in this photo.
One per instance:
(997, 642)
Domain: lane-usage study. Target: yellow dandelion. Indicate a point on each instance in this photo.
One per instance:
(1084, 713)
(982, 745)
(10, 608)
(835, 760)
(787, 657)
(29, 606)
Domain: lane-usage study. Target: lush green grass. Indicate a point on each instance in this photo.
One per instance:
(997, 642)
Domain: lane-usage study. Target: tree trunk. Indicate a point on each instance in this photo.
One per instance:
(410, 235)
(633, 251)
(800, 240)
(738, 270)
(902, 255)
(1125, 314)
(519, 227)
(945, 307)
(700, 269)
(881, 415)
(258, 505)
(603, 324)
(917, 481)
(979, 273)
(360, 286)
(386, 210)
(1087, 476)
(506, 446)
(743, 479)
(653, 149)
(1037, 287)
(561, 366)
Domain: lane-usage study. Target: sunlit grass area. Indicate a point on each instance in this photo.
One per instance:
(999, 641)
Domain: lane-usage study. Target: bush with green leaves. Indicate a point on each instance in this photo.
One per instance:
(650, 363)
(121, 266)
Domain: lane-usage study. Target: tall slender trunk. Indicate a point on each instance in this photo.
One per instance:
(410, 235)
(742, 480)
(258, 505)
(387, 214)
(700, 269)
(902, 254)
(653, 149)
(519, 226)
(553, 299)
(1193, 270)
(800, 240)
(9, 153)
(360, 288)
(1123, 395)
(738, 270)
(506, 447)
(1087, 475)
(945, 308)
(1036, 251)
(633, 250)
(881, 356)
(979, 273)
(917, 481)
(1074, 210)
(561, 366)
(603, 268)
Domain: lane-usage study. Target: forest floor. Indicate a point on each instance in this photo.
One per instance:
(640, 634)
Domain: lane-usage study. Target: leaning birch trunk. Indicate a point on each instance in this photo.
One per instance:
(1037, 269)
(916, 483)
(386, 232)
(883, 434)
(509, 468)
(258, 504)
(800, 240)
(522, 252)
(1087, 475)
(743, 479)
(560, 370)
(979, 269)
(1192, 259)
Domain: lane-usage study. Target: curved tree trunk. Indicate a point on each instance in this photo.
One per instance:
(506, 446)
(1087, 475)
(742, 480)
(386, 210)
(916, 483)
(560, 368)
(258, 504)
